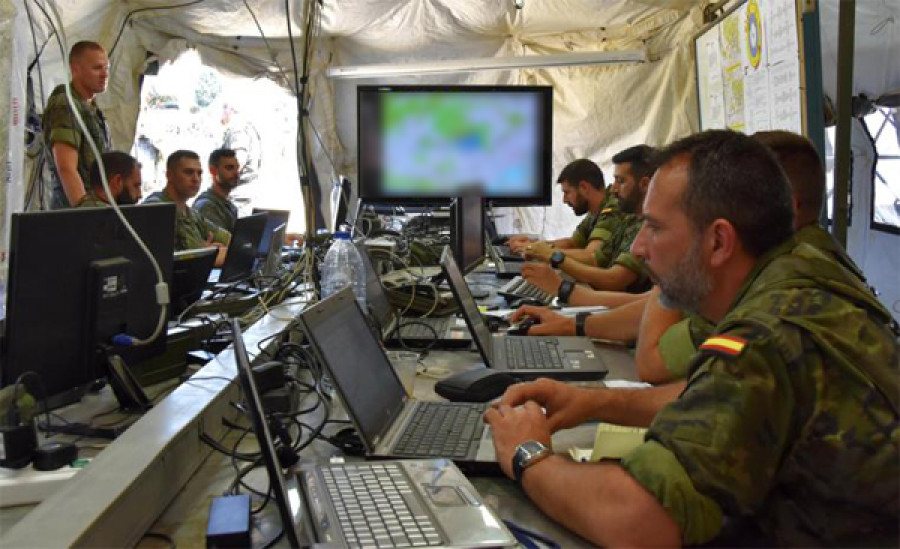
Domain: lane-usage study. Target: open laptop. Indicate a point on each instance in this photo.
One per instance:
(190, 271)
(388, 422)
(445, 332)
(428, 503)
(271, 263)
(241, 255)
(505, 268)
(526, 357)
(274, 218)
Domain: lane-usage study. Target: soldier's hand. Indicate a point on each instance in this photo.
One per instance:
(543, 276)
(565, 405)
(517, 243)
(540, 251)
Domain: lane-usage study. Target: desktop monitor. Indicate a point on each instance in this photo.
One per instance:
(467, 231)
(57, 260)
(422, 144)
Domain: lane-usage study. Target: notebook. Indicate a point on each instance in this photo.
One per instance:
(241, 255)
(415, 503)
(526, 357)
(446, 332)
(507, 264)
(190, 271)
(274, 218)
(388, 422)
(271, 263)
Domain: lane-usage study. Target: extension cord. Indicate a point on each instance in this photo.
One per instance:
(28, 485)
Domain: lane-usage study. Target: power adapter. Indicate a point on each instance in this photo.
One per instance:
(229, 522)
(278, 401)
(54, 455)
(268, 376)
(17, 444)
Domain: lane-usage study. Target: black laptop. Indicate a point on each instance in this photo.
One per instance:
(242, 250)
(274, 219)
(385, 504)
(190, 271)
(444, 333)
(526, 357)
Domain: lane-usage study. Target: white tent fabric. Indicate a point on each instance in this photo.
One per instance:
(598, 110)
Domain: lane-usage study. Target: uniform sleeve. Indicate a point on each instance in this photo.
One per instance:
(603, 228)
(676, 348)
(220, 235)
(580, 234)
(60, 125)
(720, 444)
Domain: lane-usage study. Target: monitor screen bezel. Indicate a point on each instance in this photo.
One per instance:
(545, 196)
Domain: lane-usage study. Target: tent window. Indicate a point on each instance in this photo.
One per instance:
(830, 138)
(885, 132)
(188, 105)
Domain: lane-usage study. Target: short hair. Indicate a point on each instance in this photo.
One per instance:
(219, 154)
(114, 163)
(81, 47)
(734, 177)
(176, 157)
(580, 170)
(803, 166)
(640, 157)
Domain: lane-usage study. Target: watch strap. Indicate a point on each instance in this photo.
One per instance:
(523, 458)
(556, 258)
(580, 320)
(565, 290)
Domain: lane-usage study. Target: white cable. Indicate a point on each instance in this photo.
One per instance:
(162, 289)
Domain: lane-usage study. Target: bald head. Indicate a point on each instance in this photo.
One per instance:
(804, 169)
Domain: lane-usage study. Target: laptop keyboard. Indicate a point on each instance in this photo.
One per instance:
(530, 353)
(518, 288)
(442, 429)
(418, 331)
(376, 506)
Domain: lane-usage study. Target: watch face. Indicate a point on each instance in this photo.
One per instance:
(557, 257)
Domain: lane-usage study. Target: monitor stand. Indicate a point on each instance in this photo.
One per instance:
(128, 393)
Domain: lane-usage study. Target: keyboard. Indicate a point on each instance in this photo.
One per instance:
(442, 429)
(418, 331)
(519, 288)
(376, 507)
(526, 353)
(504, 253)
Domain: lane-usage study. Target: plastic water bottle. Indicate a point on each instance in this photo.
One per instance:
(343, 267)
(335, 204)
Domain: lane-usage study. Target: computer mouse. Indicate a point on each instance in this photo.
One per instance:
(477, 385)
(521, 328)
(496, 323)
(516, 303)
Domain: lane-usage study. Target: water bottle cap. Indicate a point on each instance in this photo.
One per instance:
(342, 235)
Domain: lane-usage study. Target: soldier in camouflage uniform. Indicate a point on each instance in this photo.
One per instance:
(788, 429)
(183, 173)
(585, 192)
(622, 271)
(123, 175)
(214, 203)
(69, 153)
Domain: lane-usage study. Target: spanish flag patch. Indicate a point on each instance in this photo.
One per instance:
(607, 210)
(724, 345)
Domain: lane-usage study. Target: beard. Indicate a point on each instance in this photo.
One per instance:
(581, 206)
(688, 285)
(124, 198)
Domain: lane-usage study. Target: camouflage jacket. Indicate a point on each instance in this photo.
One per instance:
(789, 419)
(600, 226)
(213, 207)
(824, 241)
(620, 254)
(60, 126)
(191, 228)
(91, 200)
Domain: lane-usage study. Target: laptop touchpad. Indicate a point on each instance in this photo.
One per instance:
(446, 496)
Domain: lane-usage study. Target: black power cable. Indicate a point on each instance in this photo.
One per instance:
(139, 10)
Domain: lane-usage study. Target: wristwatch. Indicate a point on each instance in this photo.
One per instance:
(565, 290)
(527, 454)
(556, 258)
(580, 319)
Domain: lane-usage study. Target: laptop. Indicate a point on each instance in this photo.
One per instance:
(190, 271)
(506, 268)
(526, 357)
(241, 256)
(444, 332)
(274, 218)
(271, 264)
(389, 423)
(428, 503)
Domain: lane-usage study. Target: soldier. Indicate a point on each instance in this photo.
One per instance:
(585, 192)
(123, 174)
(183, 174)
(214, 203)
(71, 155)
(789, 421)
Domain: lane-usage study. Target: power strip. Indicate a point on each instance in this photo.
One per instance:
(28, 485)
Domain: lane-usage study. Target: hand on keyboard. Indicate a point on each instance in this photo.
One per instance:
(549, 322)
(543, 276)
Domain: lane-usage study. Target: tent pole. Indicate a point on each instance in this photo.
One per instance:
(842, 159)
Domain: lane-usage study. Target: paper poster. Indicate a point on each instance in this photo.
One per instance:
(756, 101)
(781, 30)
(784, 94)
(709, 74)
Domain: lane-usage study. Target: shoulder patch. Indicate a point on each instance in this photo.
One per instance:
(607, 210)
(724, 345)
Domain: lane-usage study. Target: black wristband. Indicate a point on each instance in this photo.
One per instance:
(565, 290)
(580, 320)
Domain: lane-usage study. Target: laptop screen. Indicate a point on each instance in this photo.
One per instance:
(378, 303)
(241, 256)
(274, 218)
(266, 446)
(480, 331)
(358, 366)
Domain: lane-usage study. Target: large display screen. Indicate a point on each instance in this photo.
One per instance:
(419, 143)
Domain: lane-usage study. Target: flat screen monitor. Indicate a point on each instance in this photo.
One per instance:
(48, 305)
(419, 144)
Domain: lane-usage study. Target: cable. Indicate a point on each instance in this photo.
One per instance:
(270, 49)
(164, 537)
(162, 289)
(12, 416)
(139, 10)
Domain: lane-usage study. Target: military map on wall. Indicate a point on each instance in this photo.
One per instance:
(748, 69)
